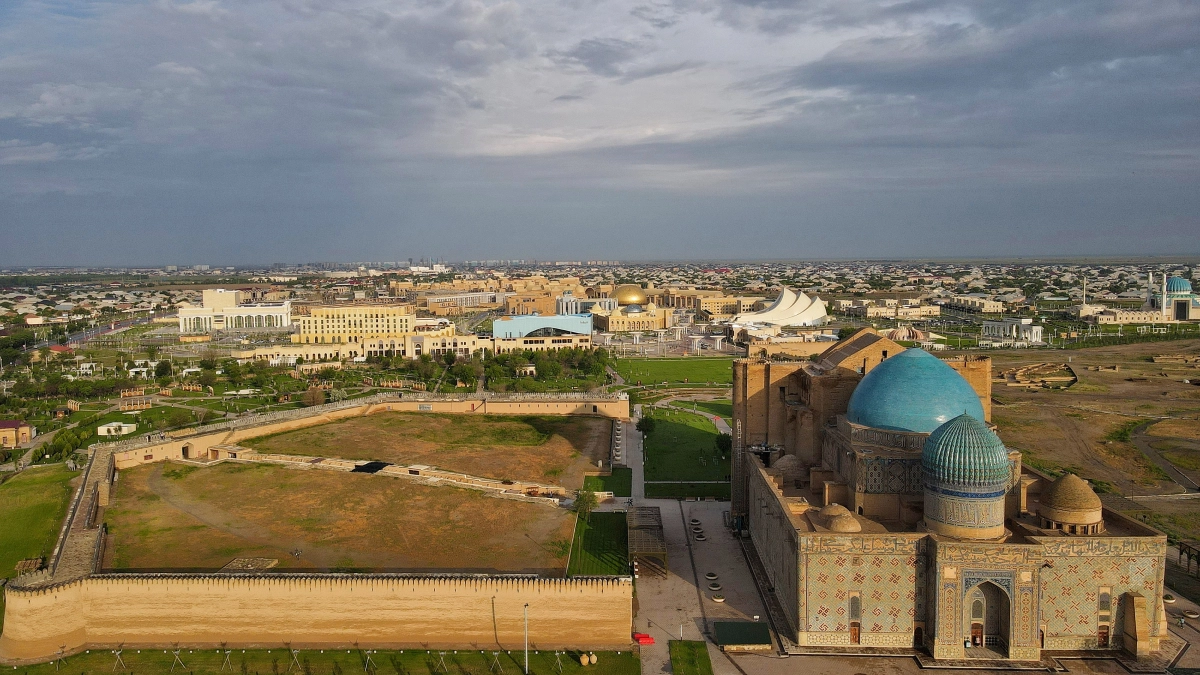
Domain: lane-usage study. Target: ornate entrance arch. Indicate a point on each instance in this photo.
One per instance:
(988, 619)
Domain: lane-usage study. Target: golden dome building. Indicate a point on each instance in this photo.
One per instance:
(630, 294)
(634, 313)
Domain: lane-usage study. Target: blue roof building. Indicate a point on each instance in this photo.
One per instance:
(508, 327)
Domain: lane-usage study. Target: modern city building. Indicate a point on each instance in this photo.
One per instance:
(791, 308)
(1174, 299)
(1012, 331)
(226, 310)
(634, 312)
(538, 325)
(541, 333)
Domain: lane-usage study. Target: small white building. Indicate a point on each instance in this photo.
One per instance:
(1015, 331)
(115, 429)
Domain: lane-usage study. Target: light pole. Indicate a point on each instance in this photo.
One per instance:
(527, 638)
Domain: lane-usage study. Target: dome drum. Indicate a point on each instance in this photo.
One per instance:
(967, 473)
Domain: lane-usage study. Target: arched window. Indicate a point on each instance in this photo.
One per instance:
(855, 608)
(977, 609)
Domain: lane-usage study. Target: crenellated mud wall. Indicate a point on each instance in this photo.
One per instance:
(315, 611)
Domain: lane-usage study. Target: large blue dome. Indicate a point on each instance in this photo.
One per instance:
(964, 452)
(912, 391)
(1179, 285)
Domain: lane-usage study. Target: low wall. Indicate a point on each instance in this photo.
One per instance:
(200, 445)
(315, 611)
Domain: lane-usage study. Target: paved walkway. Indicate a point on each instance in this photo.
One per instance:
(717, 420)
(681, 603)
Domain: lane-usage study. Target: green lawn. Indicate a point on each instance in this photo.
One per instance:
(340, 662)
(689, 657)
(620, 483)
(693, 370)
(683, 447)
(683, 490)
(32, 506)
(723, 409)
(600, 546)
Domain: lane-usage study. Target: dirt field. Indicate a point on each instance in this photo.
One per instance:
(1091, 428)
(554, 450)
(174, 516)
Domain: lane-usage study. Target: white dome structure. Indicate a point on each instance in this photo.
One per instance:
(789, 309)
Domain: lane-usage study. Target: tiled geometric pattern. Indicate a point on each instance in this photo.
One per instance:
(888, 586)
(1070, 591)
(890, 476)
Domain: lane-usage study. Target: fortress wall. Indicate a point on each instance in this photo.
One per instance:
(315, 611)
(977, 371)
(198, 446)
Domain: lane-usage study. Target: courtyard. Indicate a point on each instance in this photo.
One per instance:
(558, 450)
(173, 516)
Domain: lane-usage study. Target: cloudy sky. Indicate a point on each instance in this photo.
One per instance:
(243, 131)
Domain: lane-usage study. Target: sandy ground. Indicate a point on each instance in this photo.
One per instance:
(555, 450)
(172, 516)
(1073, 428)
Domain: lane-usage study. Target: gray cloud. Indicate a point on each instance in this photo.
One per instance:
(603, 56)
(215, 131)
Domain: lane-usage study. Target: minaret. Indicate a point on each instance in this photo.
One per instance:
(1163, 301)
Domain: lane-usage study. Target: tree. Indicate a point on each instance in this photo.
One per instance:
(163, 369)
(646, 425)
(724, 443)
(314, 396)
(233, 371)
(585, 501)
(449, 358)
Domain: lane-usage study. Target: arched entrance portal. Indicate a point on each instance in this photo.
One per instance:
(988, 621)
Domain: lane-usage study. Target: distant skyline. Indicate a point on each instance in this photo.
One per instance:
(154, 132)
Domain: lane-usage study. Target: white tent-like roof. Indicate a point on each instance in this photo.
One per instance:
(789, 309)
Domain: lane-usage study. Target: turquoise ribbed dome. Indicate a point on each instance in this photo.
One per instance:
(1179, 285)
(912, 391)
(964, 452)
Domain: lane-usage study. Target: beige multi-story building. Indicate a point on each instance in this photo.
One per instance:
(530, 302)
(894, 311)
(968, 303)
(455, 304)
(228, 310)
(354, 324)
